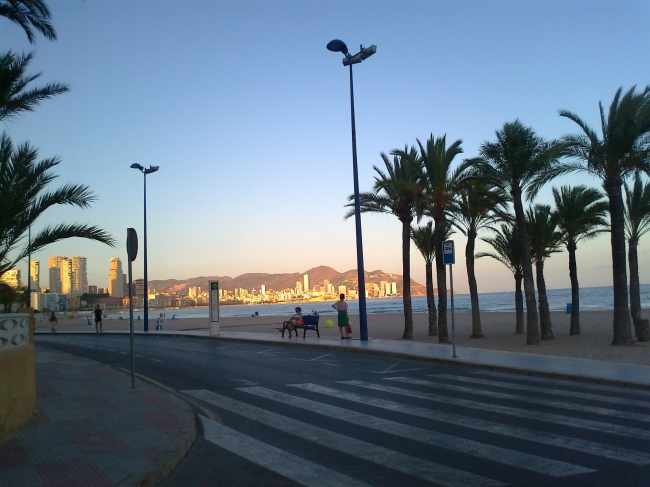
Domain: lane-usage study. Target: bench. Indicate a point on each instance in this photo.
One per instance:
(309, 322)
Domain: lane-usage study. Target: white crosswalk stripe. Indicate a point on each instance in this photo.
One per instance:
(530, 400)
(544, 390)
(585, 446)
(600, 426)
(469, 447)
(623, 391)
(401, 462)
(295, 468)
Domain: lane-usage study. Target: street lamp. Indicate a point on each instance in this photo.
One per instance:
(146, 285)
(364, 53)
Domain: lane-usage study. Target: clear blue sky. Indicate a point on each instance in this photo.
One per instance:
(247, 115)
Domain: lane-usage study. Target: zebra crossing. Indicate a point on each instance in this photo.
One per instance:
(424, 433)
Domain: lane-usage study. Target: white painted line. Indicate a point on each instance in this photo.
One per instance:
(512, 411)
(468, 447)
(545, 390)
(419, 467)
(155, 360)
(124, 353)
(139, 356)
(286, 464)
(563, 382)
(590, 447)
(529, 400)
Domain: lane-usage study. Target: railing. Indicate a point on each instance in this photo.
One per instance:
(14, 330)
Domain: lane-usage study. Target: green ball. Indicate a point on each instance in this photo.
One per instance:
(329, 324)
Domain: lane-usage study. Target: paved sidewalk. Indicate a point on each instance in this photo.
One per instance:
(627, 375)
(92, 429)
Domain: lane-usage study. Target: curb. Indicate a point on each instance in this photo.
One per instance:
(171, 456)
(385, 353)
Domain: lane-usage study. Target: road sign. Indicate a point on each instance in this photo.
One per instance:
(214, 308)
(131, 243)
(448, 252)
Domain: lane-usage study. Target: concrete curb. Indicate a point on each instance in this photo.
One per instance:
(398, 355)
(175, 451)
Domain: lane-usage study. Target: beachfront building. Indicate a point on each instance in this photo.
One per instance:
(34, 274)
(305, 279)
(79, 275)
(393, 288)
(46, 302)
(263, 289)
(92, 289)
(55, 263)
(11, 277)
(116, 279)
(342, 289)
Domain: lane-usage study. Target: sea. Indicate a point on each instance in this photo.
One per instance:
(591, 299)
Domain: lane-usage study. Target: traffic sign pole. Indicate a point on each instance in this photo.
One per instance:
(449, 258)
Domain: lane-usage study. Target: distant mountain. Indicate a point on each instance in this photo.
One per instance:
(277, 282)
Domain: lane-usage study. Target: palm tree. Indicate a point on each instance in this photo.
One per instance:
(397, 192)
(14, 97)
(8, 296)
(519, 162)
(506, 245)
(582, 213)
(424, 239)
(637, 213)
(23, 198)
(545, 239)
(440, 185)
(28, 14)
(475, 209)
(623, 149)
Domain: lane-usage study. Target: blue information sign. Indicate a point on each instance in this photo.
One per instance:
(448, 254)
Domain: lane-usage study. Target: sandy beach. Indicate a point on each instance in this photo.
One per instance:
(593, 343)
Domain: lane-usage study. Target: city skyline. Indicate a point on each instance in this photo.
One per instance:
(285, 197)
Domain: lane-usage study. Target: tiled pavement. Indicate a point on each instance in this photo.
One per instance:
(91, 428)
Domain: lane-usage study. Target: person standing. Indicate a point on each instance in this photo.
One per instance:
(98, 319)
(53, 322)
(343, 319)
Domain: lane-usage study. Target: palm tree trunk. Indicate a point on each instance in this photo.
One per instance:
(431, 304)
(544, 313)
(473, 288)
(575, 291)
(441, 274)
(622, 322)
(532, 321)
(635, 292)
(519, 304)
(406, 266)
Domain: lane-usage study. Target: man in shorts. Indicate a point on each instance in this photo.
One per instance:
(98, 319)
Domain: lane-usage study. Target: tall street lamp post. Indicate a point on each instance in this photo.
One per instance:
(146, 284)
(365, 52)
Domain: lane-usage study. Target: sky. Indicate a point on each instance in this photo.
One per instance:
(248, 116)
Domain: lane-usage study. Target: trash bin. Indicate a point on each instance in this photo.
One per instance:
(569, 307)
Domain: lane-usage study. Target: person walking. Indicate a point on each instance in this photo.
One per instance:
(98, 319)
(343, 319)
(53, 322)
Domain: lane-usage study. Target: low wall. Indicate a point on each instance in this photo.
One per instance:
(17, 370)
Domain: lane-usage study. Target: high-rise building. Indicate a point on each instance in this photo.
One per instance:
(139, 288)
(67, 276)
(305, 280)
(393, 288)
(79, 275)
(298, 287)
(342, 289)
(116, 279)
(125, 285)
(55, 264)
(92, 289)
(263, 289)
(11, 277)
(34, 275)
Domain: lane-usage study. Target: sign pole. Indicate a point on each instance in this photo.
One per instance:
(449, 258)
(132, 251)
(214, 308)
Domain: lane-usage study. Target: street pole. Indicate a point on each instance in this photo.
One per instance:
(363, 317)
(453, 324)
(131, 323)
(146, 284)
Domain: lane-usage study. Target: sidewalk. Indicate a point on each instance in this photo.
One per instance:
(626, 375)
(92, 429)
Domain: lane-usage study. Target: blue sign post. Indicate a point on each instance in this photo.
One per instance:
(449, 258)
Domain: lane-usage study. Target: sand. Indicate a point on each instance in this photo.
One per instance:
(593, 343)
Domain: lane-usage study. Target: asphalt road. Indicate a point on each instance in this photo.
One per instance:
(285, 416)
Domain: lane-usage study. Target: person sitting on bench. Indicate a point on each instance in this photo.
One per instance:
(294, 320)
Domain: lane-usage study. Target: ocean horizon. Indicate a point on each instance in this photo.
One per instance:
(591, 299)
